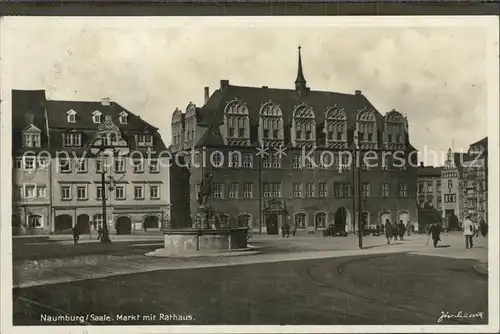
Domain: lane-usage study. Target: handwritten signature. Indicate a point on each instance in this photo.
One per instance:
(459, 315)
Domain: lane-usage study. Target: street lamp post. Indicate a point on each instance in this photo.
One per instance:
(107, 142)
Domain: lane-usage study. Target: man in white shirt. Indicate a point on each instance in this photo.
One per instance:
(468, 232)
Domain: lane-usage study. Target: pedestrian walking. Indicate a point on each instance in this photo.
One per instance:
(395, 231)
(483, 227)
(435, 232)
(401, 230)
(408, 228)
(388, 231)
(294, 229)
(99, 232)
(76, 235)
(283, 230)
(468, 232)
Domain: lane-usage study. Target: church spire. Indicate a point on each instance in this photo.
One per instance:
(300, 82)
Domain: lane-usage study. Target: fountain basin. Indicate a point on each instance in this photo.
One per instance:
(205, 240)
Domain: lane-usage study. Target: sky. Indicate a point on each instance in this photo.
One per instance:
(434, 74)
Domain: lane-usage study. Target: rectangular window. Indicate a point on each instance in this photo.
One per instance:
(98, 192)
(366, 190)
(30, 191)
(138, 166)
(154, 166)
(66, 193)
(120, 192)
(268, 190)
(41, 192)
(248, 160)
(267, 161)
(323, 190)
(119, 165)
(247, 190)
(241, 132)
(337, 189)
(347, 190)
(308, 164)
(429, 187)
(31, 140)
(233, 190)
(29, 163)
(275, 133)
(336, 163)
(403, 190)
(139, 192)
(276, 189)
(64, 165)
(72, 139)
(420, 188)
(297, 190)
(265, 134)
(81, 165)
(35, 221)
(310, 190)
(218, 190)
(234, 159)
(144, 140)
(296, 161)
(384, 190)
(81, 192)
(154, 191)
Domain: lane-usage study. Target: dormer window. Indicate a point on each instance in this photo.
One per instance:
(303, 126)
(123, 117)
(71, 116)
(96, 117)
(32, 137)
(144, 140)
(72, 139)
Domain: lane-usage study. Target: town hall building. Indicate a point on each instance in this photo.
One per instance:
(289, 155)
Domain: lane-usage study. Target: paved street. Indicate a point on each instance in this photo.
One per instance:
(380, 289)
(330, 278)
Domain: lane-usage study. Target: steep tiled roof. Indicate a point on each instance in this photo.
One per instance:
(429, 171)
(25, 102)
(483, 142)
(212, 113)
(57, 115)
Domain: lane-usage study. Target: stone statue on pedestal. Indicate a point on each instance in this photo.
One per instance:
(205, 211)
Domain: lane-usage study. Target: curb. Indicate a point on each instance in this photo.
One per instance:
(481, 268)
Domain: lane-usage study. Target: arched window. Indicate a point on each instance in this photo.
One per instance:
(335, 128)
(366, 126)
(303, 126)
(244, 220)
(237, 123)
(177, 130)
(271, 125)
(300, 220)
(320, 220)
(394, 130)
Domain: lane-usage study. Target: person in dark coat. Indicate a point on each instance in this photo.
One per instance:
(435, 231)
(395, 231)
(388, 231)
(401, 230)
(76, 235)
(483, 227)
(99, 232)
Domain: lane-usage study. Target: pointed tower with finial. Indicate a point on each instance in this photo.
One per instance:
(300, 82)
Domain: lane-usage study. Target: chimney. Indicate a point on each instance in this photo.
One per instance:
(29, 117)
(265, 87)
(421, 164)
(224, 84)
(207, 94)
(105, 101)
(357, 92)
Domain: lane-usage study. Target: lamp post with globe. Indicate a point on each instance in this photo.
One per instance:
(107, 144)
